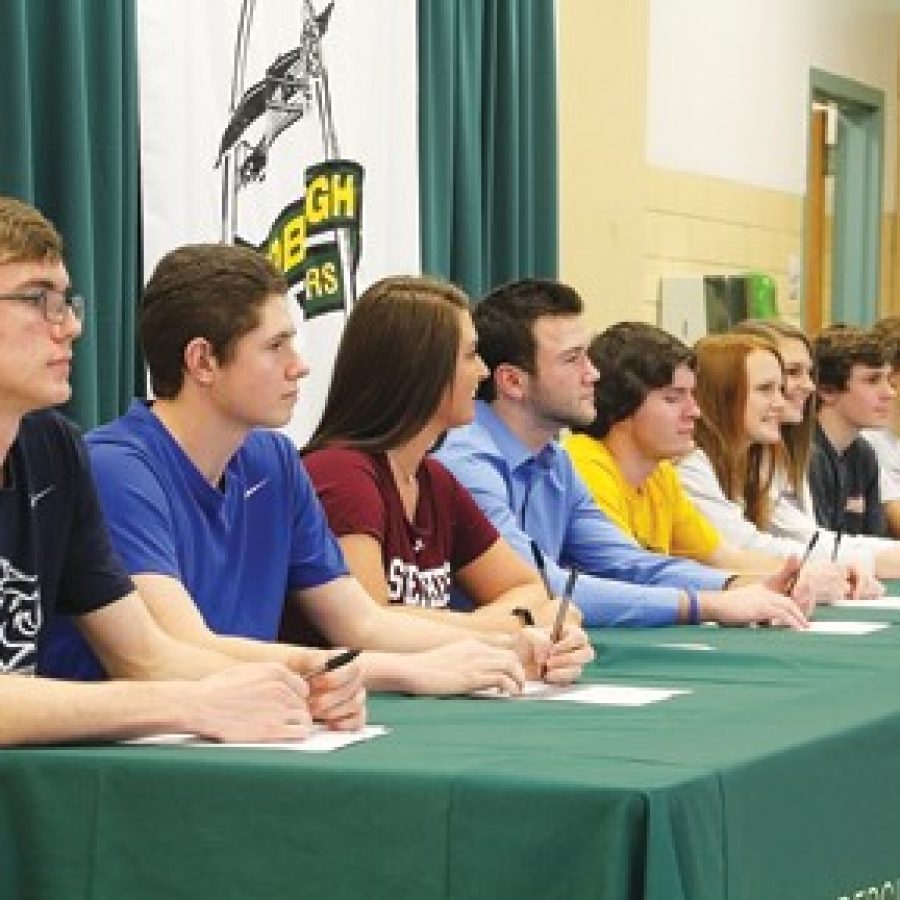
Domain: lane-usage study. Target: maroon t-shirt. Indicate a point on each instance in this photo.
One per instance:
(449, 531)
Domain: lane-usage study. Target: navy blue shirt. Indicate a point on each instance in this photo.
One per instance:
(55, 554)
(844, 486)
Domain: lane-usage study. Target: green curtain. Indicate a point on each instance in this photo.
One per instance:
(487, 137)
(69, 145)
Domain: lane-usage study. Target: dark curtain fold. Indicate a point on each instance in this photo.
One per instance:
(69, 145)
(488, 144)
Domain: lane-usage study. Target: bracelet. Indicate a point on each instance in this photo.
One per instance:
(523, 614)
(693, 607)
(728, 583)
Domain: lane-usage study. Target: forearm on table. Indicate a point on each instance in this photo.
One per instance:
(42, 710)
(300, 659)
(451, 624)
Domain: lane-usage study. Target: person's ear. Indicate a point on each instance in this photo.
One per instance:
(510, 380)
(827, 396)
(200, 361)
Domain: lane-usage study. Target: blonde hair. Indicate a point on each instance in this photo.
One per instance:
(25, 235)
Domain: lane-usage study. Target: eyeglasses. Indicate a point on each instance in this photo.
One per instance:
(52, 303)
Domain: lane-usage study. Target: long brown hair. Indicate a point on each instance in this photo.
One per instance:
(797, 436)
(721, 394)
(396, 359)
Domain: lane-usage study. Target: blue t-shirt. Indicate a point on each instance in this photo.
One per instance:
(238, 549)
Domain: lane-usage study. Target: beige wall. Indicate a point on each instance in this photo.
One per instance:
(602, 91)
(624, 224)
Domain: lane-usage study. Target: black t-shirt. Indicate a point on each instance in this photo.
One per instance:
(55, 554)
(844, 487)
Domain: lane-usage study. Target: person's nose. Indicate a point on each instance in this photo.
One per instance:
(299, 368)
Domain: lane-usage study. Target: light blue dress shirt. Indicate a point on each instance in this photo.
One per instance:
(540, 497)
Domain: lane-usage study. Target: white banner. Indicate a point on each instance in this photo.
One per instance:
(290, 125)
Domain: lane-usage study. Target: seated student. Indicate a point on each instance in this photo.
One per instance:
(212, 512)
(886, 441)
(748, 468)
(55, 555)
(533, 339)
(854, 392)
(406, 371)
(792, 514)
(646, 412)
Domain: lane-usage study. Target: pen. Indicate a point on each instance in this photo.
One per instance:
(539, 562)
(564, 605)
(837, 545)
(334, 662)
(809, 549)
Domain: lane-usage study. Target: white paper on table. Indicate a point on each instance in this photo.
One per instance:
(321, 740)
(849, 627)
(598, 694)
(531, 689)
(874, 603)
(618, 694)
(686, 646)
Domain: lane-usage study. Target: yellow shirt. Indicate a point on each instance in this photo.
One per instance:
(659, 515)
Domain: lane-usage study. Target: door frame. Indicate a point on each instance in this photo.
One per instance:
(858, 200)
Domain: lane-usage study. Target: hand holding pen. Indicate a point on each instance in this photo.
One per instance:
(337, 696)
(792, 580)
(572, 651)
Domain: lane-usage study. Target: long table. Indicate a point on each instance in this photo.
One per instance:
(777, 776)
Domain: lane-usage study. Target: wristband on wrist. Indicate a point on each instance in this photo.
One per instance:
(693, 607)
(728, 583)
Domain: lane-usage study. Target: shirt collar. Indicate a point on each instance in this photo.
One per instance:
(516, 453)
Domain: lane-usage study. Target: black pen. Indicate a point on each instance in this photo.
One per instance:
(837, 545)
(539, 562)
(556, 634)
(809, 549)
(334, 662)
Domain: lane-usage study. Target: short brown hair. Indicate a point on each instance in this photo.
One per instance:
(25, 235)
(887, 330)
(837, 350)
(396, 358)
(505, 320)
(631, 359)
(210, 291)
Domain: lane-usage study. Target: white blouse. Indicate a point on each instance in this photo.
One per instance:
(791, 526)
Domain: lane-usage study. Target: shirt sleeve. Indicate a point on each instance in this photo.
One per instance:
(93, 575)
(699, 480)
(594, 544)
(603, 601)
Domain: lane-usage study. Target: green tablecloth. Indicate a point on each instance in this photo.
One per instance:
(776, 777)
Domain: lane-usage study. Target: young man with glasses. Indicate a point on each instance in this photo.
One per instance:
(55, 555)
